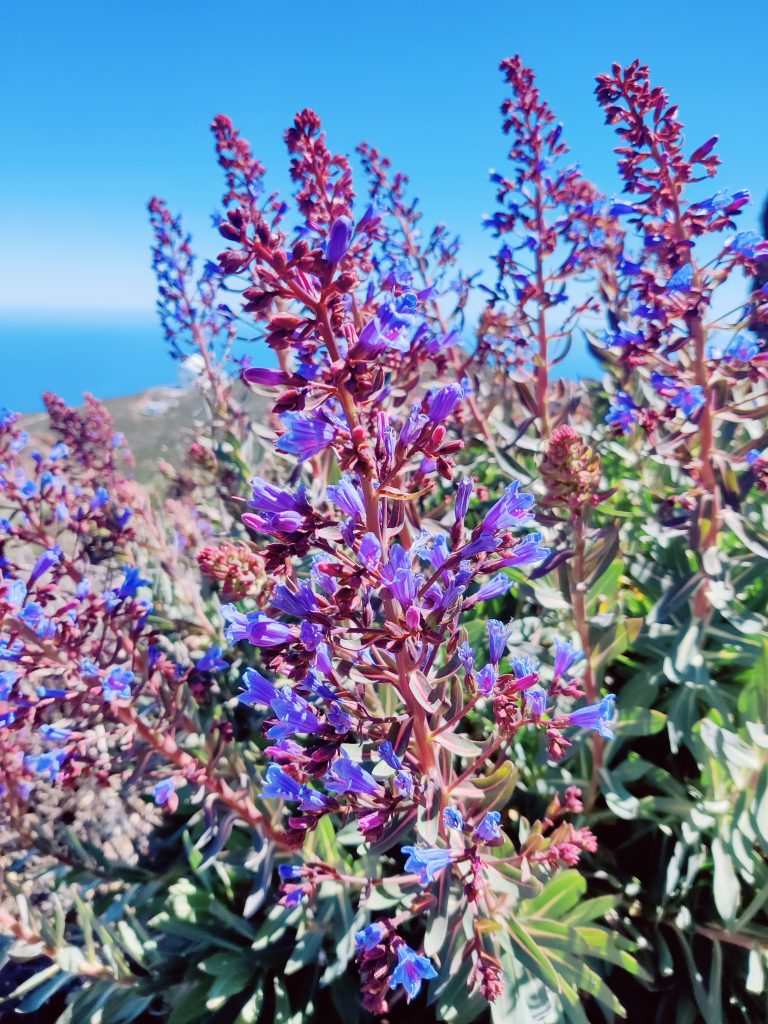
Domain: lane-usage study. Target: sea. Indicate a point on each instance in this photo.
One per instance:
(110, 355)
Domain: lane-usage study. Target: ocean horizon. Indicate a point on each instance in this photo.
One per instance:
(111, 355)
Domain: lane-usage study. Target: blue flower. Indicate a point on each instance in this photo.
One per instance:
(45, 561)
(488, 831)
(347, 496)
(346, 776)
(211, 661)
(536, 701)
(495, 587)
(444, 401)
(411, 970)
(750, 245)
(299, 603)
(131, 583)
(48, 763)
(453, 819)
(117, 684)
(280, 785)
(306, 435)
(566, 656)
(486, 679)
(294, 713)
(403, 783)
(370, 551)
(54, 733)
(290, 872)
(370, 937)
(463, 495)
(597, 716)
(389, 757)
(498, 635)
(741, 349)
(163, 791)
(8, 679)
(688, 400)
(339, 239)
(681, 280)
(528, 550)
(256, 627)
(512, 509)
(426, 861)
(622, 413)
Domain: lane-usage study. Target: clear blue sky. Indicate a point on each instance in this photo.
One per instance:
(107, 103)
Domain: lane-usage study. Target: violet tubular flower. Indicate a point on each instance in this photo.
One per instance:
(347, 776)
(426, 861)
(598, 716)
(411, 970)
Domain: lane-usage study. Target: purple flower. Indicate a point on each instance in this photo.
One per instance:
(306, 435)
(536, 701)
(488, 831)
(453, 818)
(566, 656)
(486, 679)
(528, 550)
(688, 400)
(311, 635)
(255, 627)
(403, 783)
(681, 280)
(163, 791)
(498, 635)
(753, 456)
(426, 861)
(45, 561)
(258, 689)
(294, 713)
(495, 587)
(512, 509)
(370, 551)
(466, 656)
(131, 582)
(399, 576)
(117, 685)
(54, 733)
(8, 679)
(339, 720)
(211, 661)
(597, 716)
(389, 757)
(290, 872)
(300, 603)
(463, 496)
(411, 970)
(347, 496)
(48, 763)
(370, 937)
(412, 428)
(622, 413)
(280, 511)
(339, 239)
(346, 776)
(444, 401)
(741, 349)
(281, 786)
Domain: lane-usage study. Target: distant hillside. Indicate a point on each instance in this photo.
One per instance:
(158, 423)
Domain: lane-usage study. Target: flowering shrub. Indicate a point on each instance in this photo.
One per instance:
(472, 641)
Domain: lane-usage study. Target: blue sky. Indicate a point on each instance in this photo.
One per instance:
(107, 103)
